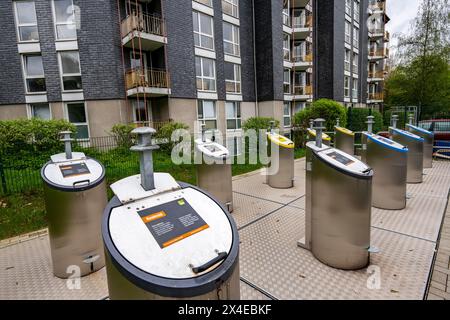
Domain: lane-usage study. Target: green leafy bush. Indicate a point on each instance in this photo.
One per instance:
(259, 123)
(165, 133)
(123, 136)
(357, 118)
(29, 143)
(329, 110)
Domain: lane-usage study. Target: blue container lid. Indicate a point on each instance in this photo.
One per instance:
(407, 134)
(420, 129)
(385, 142)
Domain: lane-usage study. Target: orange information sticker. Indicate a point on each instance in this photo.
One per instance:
(154, 216)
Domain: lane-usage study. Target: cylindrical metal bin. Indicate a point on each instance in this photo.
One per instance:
(414, 144)
(311, 136)
(214, 173)
(388, 159)
(341, 197)
(428, 143)
(344, 140)
(281, 172)
(75, 196)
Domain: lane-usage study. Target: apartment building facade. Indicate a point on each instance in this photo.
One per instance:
(217, 62)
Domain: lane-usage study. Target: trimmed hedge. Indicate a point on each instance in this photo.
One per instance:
(329, 110)
(357, 118)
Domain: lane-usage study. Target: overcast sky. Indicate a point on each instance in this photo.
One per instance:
(401, 13)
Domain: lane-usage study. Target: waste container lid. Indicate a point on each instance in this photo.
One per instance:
(422, 130)
(345, 162)
(407, 134)
(345, 131)
(212, 149)
(280, 140)
(73, 175)
(388, 143)
(171, 234)
(325, 137)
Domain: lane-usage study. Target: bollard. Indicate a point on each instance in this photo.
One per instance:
(145, 148)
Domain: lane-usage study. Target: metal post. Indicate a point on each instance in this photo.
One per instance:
(337, 122)
(394, 120)
(145, 148)
(67, 143)
(411, 118)
(370, 122)
(272, 125)
(311, 123)
(319, 127)
(203, 132)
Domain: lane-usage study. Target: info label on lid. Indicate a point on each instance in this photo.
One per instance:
(172, 222)
(340, 158)
(72, 170)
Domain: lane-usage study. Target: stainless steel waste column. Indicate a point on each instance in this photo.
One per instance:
(75, 196)
(168, 240)
(389, 161)
(370, 122)
(414, 144)
(280, 174)
(428, 143)
(341, 190)
(213, 172)
(344, 139)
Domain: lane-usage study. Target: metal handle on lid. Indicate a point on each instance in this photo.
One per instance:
(87, 181)
(220, 256)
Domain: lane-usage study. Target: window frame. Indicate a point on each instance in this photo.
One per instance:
(347, 87)
(355, 37)
(234, 8)
(289, 84)
(56, 23)
(235, 43)
(208, 4)
(288, 48)
(348, 32)
(203, 120)
(347, 60)
(355, 88)
(355, 66)
(287, 116)
(348, 7)
(202, 77)
(286, 14)
(237, 81)
(19, 25)
(200, 33)
(356, 9)
(237, 118)
(26, 77)
(76, 124)
(62, 74)
(30, 109)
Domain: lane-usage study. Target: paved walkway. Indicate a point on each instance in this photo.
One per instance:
(272, 266)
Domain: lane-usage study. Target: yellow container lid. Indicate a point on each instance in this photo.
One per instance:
(325, 137)
(280, 140)
(345, 130)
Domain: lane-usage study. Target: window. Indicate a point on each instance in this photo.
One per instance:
(231, 7)
(355, 89)
(356, 8)
(64, 17)
(233, 111)
(287, 81)
(356, 37)
(26, 21)
(205, 2)
(286, 47)
(347, 87)
(34, 73)
(286, 17)
(299, 106)
(287, 114)
(40, 111)
(231, 39)
(70, 70)
(233, 77)
(355, 63)
(206, 74)
(348, 7)
(141, 114)
(207, 113)
(203, 31)
(348, 31)
(347, 60)
(76, 114)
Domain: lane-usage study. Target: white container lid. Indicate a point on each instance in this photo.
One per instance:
(211, 149)
(169, 234)
(344, 161)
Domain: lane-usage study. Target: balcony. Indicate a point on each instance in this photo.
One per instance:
(302, 26)
(377, 7)
(303, 92)
(153, 83)
(149, 31)
(302, 62)
(375, 97)
(387, 36)
(376, 32)
(378, 54)
(377, 75)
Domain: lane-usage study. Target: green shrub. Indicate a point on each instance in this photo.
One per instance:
(357, 118)
(324, 108)
(165, 133)
(29, 143)
(123, 136)
(259, 123)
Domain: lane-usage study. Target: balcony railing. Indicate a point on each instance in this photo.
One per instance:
(146, 78)
(144, 23)
(378, 5)
(304, 90)
(303, 58)
(376, 96)
(303, 22)
(376, 31)
(383, 52)
(376, 74)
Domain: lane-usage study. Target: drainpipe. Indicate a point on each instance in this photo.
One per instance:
(254, 60)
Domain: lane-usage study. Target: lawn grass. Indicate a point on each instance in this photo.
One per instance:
(25, 212)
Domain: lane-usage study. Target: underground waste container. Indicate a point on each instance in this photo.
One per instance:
(415, 145)
(75, 196)
(214, 170)
(280, 174)
(344, 139)
(428, 143)
(340, 194)
(166, 239)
